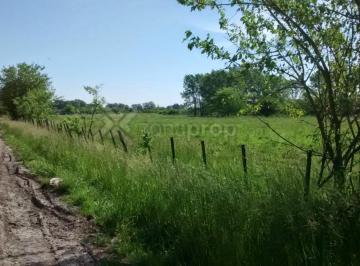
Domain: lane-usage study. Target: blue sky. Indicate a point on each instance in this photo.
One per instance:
(133, 48)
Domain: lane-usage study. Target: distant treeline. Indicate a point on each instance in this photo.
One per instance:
(26, 92)
(65, 107)
(237, 91)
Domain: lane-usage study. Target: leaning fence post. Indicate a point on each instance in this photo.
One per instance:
(149, 151)
(84, 134)
(69, 130)
(172, 149)
(244, 159)
(101, 137)
(91, 134)
(122, 140)
(112, 138)
(203, 152)
(307, 174)
(60, 127)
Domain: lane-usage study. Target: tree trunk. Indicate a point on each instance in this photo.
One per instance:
(339, 172)
(195, 106)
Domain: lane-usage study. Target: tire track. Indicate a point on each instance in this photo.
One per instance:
(35, 228)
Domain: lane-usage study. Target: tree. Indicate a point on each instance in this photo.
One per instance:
(36, 104)
(65, 107)
(228, 101)
(96, 105)
(137, 107)
(191, 93)
(246, 84)
(18, 81)
(148, 106)
(118, 107)
(300, 40)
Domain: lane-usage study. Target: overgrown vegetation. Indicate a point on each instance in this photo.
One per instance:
(160, 214)
(25, 92)
(288, 57)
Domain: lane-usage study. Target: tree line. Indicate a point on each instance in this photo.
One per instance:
(68, 107)
(242, 90)
(26, 92)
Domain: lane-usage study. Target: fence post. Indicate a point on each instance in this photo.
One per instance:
(307, 174)
(112, 138)
(149, 151)
(122, 140)
(101, 137)
(91, 135)
(84, 134)
(69, 130)
(203, 152)
(60, 128)
(172, 144)
(244, 159)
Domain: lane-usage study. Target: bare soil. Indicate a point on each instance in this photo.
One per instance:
(35, 227)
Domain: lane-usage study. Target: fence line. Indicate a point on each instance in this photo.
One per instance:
(63, 127)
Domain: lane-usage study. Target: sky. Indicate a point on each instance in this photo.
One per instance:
(133, 48)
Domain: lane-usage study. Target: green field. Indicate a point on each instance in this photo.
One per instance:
(222, 136)
(160, 213)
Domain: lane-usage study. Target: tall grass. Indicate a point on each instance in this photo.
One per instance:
(158, 213)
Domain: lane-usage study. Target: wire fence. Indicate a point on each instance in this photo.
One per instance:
(250, 158)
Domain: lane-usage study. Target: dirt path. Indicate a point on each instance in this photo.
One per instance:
(35, 229)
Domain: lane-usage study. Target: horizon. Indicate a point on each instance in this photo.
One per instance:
(135, 50)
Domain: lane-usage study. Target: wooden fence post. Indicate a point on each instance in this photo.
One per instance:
(172, 144)
(112, 138)
(244, 159)
(307, 174)
(91, 135)
(122, 140)
(69, 130)
(60, 128)
(101, 137)
(84, 134)
(203, 152)
(149, 151)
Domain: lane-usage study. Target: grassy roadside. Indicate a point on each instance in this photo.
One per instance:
(158, 214)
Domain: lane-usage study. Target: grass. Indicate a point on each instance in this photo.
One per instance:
(158, 213)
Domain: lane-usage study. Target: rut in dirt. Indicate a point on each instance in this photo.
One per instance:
(35, 228)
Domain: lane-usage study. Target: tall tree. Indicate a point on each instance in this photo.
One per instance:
(191, 93)
(298, 39)
(17, 81)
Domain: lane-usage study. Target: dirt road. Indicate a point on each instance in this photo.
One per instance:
(36, 229)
